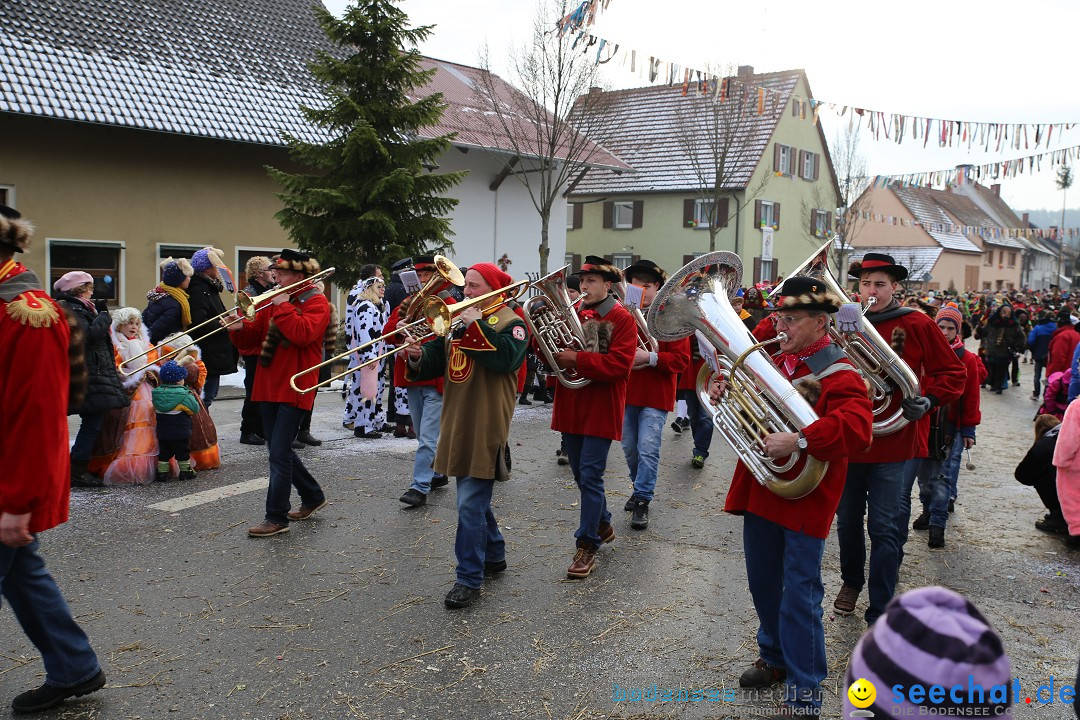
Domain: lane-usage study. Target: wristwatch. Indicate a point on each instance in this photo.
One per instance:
(801, 442)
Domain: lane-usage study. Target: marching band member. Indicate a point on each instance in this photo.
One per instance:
(784, 539)
(876, 474)
(480, 362)
(423, 399)
(590, 417)
(292, 335)
(650, 396)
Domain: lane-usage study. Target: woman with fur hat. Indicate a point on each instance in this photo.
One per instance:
(366, 316)
(168, 310)
(218, 353)
(104, 391)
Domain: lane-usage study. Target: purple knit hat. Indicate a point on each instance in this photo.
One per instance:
(930, 636)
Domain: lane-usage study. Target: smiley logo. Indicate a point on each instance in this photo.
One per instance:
(862, 693)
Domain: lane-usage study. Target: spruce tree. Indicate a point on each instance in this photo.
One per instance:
(367, 196)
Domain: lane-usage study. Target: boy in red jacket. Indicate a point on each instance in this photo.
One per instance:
(590, 417)
(650, 396)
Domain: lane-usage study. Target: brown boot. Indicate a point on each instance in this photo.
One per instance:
(606, 532)
(266, 529)
(584, 562)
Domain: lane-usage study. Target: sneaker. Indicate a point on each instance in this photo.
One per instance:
(676, 426)
(685, 422)
(410, 433)
(399, 430)
(266, 529)
(922, 522)
(640, 520)
(606, 531)
(583, 564)
(563, 460)
(413, 498)
(761, 675)
(845, 600)
(697, 462)
(307, 438)
(252, 439)
(1034, 396)
(494, 567)
(461, 596)
(439, 480)
(937, 537)
(524, 400)
(306, 511)
(48, 696)
(1055, 525)
(630, 504)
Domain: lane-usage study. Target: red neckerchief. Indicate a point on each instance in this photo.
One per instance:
(590, 313)
(958, 342)
(789, 361)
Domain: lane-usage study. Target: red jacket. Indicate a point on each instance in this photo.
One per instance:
(597, 409)
(843, 429)
(654, 387)
(965, 412)
(941, 376)
(35, 369)
(303, 323)
(1062, 344)
(399, 358)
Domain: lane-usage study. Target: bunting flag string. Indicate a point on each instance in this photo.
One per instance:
(987, 171)
(984, 232)
(882, 125)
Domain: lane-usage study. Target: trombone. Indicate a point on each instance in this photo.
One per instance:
(246, 305)
(440, 318)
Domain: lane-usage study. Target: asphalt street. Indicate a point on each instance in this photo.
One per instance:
(343, 616)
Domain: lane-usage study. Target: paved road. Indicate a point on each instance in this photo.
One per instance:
(343, 617)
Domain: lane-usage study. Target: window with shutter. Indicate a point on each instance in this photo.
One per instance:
(688, 215)
(809, 162)
(578, 218)
(622, 260)
(817, 165)
(639, 214)
(623, 215)
(786, 166)
(766, 214)
(609, 214)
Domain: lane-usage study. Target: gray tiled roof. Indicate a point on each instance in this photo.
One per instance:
(971, 215)
(648, 123)
(932, 216)
(228, 69)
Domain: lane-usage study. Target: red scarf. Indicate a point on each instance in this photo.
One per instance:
(957, 342)
(789, 361)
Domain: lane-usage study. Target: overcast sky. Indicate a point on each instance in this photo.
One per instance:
(991, 61)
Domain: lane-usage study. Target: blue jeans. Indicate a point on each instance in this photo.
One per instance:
(281, 422)
(871, 489)
(588, 459)
(783, 568)
(700, 423)
(1040, 365)
(478, 538)
(425, 406)
(210, 389)
(951, 469)
(643, 427)
(926, 471)
(88, 432)
(45, 617)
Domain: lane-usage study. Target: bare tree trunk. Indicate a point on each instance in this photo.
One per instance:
(545, 249)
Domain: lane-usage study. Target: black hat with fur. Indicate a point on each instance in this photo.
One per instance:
(806, 293)
(296, 261)
(15, 233)
(599, 266)
(649, 269)
(878, 262)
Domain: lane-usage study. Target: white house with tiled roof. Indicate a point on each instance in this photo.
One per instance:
(777, 175)
(134, 131)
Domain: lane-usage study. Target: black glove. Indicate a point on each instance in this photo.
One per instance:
(914, 408)
(101, 305)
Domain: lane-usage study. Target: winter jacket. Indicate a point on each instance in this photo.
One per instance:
(1001, 338)
(1038, 463)
(1074, 384)
(395, 292)
(1062, 345)
(1067, 462)
(162, 317)
(104, 391)
(1039, 339)
(218, 353)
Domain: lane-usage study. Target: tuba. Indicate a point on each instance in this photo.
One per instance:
(759, 400)
(555, 325)
(881, 367)
(645, 341)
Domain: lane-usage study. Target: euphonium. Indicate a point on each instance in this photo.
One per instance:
(645, 341)
(555, 325)
(758, 400)
(881, 367)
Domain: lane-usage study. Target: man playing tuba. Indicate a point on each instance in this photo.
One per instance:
(784, 539)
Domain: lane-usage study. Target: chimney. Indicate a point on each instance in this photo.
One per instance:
(1024, 220)
(595, 91)
(996, 189)
(745, 71)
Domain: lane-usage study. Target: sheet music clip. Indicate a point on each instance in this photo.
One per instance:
(850, 318)
(634, 296)
(411, 281)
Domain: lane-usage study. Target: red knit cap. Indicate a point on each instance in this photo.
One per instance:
(951, 313)
(492, 275)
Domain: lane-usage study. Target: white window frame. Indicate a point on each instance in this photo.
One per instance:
(622, 260)
(770, 221)
(701, 215)
(569, 216)
(11, 200)
(628, 206)
(821, 223)
(787, 163)
(808, 165)
(766, 270)
(158, 247)
(120, 245)
(568, 259)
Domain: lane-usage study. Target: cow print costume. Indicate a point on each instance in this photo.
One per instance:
(365, 319)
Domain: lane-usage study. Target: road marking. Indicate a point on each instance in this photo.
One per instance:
(201, 498)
